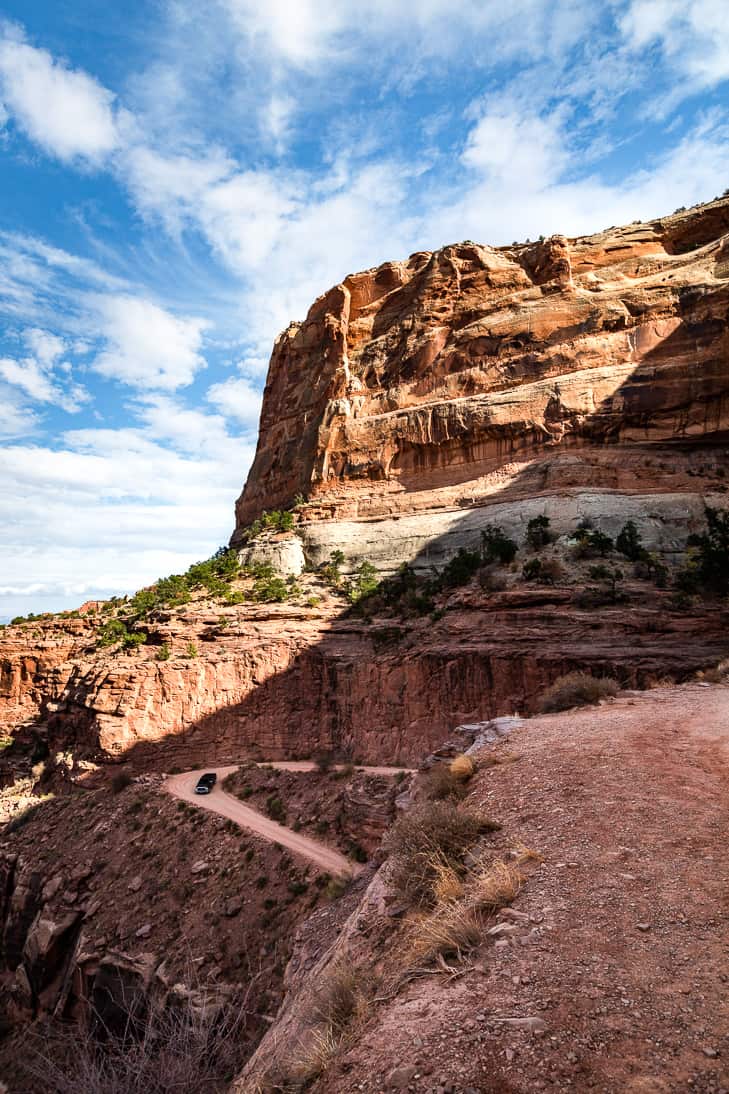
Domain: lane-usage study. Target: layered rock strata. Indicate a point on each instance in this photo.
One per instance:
(580, 373)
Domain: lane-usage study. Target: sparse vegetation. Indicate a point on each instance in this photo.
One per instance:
(192, 1047)
(120, 781)
(430, 832)
(191, 650)
(591, 542)
(707, 568)
(164, 653)
(538, 534)
(576, 689)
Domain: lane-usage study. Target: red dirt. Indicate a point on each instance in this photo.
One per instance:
(626, 961)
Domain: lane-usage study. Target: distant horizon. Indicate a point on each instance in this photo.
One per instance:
(179, 184)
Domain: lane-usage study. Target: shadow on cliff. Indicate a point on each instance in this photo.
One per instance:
(390, 690)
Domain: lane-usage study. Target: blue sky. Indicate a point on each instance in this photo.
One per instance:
(179, 181)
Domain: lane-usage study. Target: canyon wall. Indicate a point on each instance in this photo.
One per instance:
(476, 377)
(416, 404)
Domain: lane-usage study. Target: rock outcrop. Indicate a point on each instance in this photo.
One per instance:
(593, 369)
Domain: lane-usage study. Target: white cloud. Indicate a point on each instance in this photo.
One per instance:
(140, 511)
(35, 376)
(508, 144)
(64, 110)
(46, 347)
(693, 35)
(237, 398)
(16, 419)
(146, 346)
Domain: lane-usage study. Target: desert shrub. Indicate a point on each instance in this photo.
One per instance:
(164, 653)
(335, 887)
(120, 781)
(111, 633)
(462, 768)
(331, 571)
(496, 546)
(440, 783)
(271, 590)
(276, 808)
(364, 584)
(576, 689)
(189, 1047)
(538, 534)
(610, 575)
(191, 649)
(460, 569)
(431, 831)
(591, 542)
(629, 542)
(710, 562)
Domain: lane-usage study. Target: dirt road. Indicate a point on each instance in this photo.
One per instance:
(183, 786)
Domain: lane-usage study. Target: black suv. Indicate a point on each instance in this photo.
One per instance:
(206, 783)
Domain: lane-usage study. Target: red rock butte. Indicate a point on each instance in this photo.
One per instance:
(575, 374)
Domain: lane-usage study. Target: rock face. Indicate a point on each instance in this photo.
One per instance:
(475, 376)
(416, 404)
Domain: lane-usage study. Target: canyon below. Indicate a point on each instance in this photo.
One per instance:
(480, 472)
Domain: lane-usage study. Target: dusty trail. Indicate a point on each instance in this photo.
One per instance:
(183, 786)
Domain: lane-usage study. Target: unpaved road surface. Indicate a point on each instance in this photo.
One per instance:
(625, 955)
(218, 801)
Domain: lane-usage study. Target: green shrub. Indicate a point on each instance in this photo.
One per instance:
(538, 534)
(164, 652)
(271, 590)
(591, 542)
(711, 553)
(191, 649)
(496, 546)
(331, 572)
(629, 542)
(364, 584)
(460, 569)
(275, 808)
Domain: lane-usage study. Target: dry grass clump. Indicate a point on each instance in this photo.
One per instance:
(576, 689)
(452, 930)
(495, 885)
(456, 924)
(430, 833)
(718, 674)
(447, 884)
(338, 1004)
(462, 768)
(189, 1047)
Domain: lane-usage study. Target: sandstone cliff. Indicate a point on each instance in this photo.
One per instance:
(586, 371)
